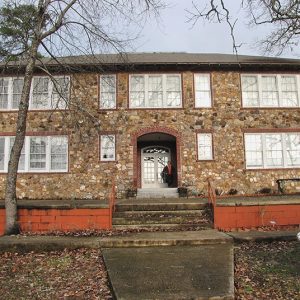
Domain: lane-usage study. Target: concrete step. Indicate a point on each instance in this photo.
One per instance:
(161, 217)
(165, 220)
(163, 227)
(160, 213)
(158, 206)
(172, 238)
(157, 193)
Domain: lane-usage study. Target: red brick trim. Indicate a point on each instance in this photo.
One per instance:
(137, 162)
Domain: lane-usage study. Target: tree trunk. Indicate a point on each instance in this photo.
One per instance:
(12, 226)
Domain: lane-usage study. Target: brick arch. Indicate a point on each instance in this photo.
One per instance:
(137, 162)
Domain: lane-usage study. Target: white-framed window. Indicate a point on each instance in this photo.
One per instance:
(10, 92)
(60, 91)
(272, 150)
(270, 90)
(202, 90)
(45, 93)
(108, 147)
(155, 91)
(17, 86)
(108, 88)
(39, 154)
(205, 146)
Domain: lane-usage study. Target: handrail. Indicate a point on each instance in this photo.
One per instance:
(212, 197)
(112, 201)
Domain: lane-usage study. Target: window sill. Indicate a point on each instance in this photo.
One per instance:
(269, 108)
(206, 160)
(39, 173)
(272, 169)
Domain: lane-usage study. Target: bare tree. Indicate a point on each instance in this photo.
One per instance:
(56, 28)
(282, 17)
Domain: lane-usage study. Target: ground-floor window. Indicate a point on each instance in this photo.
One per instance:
(272, 150)
(108, 147)
(39, 153)
(205, 146)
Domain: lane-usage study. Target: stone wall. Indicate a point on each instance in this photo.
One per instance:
(89, 178)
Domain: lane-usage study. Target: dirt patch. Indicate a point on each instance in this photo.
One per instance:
(267, 271)
(78, 274)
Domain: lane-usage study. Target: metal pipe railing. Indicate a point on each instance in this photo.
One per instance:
(212, 197)
(112, 202)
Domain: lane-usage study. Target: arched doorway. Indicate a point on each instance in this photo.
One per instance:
(165, 144)
(153, 161)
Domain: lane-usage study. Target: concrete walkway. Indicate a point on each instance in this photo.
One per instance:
(181, 272)
(190, 265)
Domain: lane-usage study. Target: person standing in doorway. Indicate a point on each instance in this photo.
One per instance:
(168, 174)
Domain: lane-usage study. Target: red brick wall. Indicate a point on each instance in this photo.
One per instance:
(38, 220)
(231, 217)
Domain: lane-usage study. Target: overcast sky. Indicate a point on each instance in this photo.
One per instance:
(174, 34)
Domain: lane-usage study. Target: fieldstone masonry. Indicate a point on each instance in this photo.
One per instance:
(90, 178)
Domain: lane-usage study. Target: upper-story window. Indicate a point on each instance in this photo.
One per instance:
(39, 154)
(10, 92)
(155, 91)
(202, 90)
(270, 90)
(45, 93)
(108, 91)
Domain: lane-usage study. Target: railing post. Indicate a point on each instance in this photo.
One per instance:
(112, 199)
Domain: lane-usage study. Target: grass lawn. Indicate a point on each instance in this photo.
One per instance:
(262, 271)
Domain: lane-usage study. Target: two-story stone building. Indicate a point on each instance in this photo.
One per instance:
(235, 119)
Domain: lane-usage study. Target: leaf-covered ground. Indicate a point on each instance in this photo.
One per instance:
(78, 274)
(268, 271)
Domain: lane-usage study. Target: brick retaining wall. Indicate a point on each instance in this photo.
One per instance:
(43, 219)
(233, 217)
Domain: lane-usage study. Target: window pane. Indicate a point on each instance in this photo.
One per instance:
(293, 149)
(250, 91)
(21, 166)
(40, 92)
(107, 147)
(173, 91)
(137, 91)
(60, 92)
(155, 91)
(108, 91)
(2, 148)
(17, 92)
(254, 152)
(202, 90)
(205, 146)
(274, 155)
(289, 94)
(38, 153)
(59, 153)
(269, 91)
(3, 93)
